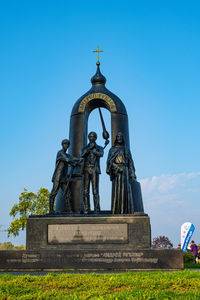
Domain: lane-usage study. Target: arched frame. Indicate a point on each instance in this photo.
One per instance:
(79, 131)
(78, 138)
(106, 98)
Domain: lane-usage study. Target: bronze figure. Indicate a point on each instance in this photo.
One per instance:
(60, 178)
(121, 169)
(98, 96)
(91, 170)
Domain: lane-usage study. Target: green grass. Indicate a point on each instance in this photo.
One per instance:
(142, 285)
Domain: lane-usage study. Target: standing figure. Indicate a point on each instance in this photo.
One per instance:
(60, 179)
(121, 169)
(91, 169)
(194, 250)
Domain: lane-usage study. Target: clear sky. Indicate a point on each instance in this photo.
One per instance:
(151, 60)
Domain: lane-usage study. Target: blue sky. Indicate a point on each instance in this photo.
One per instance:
(151, 61)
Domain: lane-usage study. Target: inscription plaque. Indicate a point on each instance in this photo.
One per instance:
(90, 97)
(87, 233)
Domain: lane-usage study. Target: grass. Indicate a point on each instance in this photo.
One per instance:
(142, 285)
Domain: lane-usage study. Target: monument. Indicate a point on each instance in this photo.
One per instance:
(72, 236)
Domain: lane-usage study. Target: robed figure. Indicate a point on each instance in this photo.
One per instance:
(121, 169)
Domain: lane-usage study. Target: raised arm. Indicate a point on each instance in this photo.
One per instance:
(68, 158)
(98, 151)
(85, 151)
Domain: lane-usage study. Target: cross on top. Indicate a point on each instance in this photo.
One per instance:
(97, 53)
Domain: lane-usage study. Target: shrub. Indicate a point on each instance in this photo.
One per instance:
(188, 257)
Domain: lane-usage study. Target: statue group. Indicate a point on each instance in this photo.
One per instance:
(120, 168)
(79, 168)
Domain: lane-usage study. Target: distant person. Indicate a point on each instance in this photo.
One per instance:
(179, 246)
(198, 253)
(194, 250)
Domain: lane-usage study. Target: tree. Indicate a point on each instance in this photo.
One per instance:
(28, 204)
(10, 246)
(162, 242)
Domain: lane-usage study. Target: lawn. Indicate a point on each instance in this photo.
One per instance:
(139, 285)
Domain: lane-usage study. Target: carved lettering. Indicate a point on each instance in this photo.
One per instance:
(13, 260)
(129, 254)
(90, 97)
(87, 233)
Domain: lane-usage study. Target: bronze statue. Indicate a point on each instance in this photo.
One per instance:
(91, 170)
(121, 169)
(97, 97)
(60, 178)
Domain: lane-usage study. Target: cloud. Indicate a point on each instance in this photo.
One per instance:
(169, 187)
(194, 190)
(170, 200)
(167, 182)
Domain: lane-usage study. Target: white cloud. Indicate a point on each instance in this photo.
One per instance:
(166, 182)
(194, 190)
(171, 189)
(170, 200)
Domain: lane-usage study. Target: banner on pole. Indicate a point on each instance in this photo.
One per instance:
(187, 230)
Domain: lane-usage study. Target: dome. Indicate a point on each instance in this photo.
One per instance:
(98, 78)
(98, 91)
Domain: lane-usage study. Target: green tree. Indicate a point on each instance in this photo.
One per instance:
(162, 242)
(28, 204)
(10, 246)
(6, 246)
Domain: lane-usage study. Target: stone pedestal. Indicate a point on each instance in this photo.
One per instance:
(88, 232)
(99, 259)
(105, 242)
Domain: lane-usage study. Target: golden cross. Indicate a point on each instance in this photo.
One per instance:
(97, 53)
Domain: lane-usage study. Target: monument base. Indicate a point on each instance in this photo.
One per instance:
(103, 242)
(89, 232)
(113, 259)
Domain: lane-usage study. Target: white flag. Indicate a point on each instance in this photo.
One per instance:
(187, 230)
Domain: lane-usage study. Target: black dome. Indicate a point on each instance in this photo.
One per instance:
(98, 78)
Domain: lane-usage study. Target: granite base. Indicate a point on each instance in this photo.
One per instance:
(104, 242)
(169, 259)
(88, 232)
